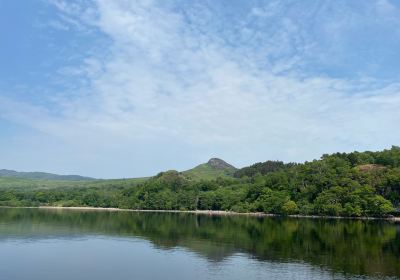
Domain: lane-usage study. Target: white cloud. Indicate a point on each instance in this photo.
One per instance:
(166, 82)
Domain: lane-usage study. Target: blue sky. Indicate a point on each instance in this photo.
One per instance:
(130, 88)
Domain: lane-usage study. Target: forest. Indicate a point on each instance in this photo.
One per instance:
(353, 184)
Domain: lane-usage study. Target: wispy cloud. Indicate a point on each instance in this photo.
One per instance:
(245, 88)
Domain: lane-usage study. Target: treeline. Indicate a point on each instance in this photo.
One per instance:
(341, 184)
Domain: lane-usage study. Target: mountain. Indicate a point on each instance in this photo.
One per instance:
(213, 169)
(41, 176)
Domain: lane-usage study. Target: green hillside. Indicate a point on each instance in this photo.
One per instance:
(341, 184)
(213, 169)
(10, 179)
(41, 176)
(35, 184)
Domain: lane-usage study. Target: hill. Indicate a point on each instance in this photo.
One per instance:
(41, 176)
(341, 184)
(10, 179)
(11, 183)
(213, 169)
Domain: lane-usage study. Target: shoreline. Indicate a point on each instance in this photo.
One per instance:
(202, 212)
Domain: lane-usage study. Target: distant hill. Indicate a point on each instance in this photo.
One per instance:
(41, 176)
(11, 179)
(213, 169)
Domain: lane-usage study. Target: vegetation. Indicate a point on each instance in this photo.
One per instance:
(213, 169)
(41, 176)
(33, 184)
(342, 184)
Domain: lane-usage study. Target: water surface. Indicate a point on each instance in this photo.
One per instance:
(72, 244)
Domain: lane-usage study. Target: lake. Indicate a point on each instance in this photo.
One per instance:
(73, 244)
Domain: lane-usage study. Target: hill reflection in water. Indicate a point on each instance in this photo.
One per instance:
(354, 247)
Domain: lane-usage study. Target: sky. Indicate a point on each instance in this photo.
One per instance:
(130, 88)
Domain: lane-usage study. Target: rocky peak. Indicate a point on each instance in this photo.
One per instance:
(219, 164)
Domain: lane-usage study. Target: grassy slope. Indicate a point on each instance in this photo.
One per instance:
(24, 184)
(206, 172)
(201, 172)
(41, 176)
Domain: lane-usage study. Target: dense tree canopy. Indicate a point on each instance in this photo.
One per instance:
(341, 184)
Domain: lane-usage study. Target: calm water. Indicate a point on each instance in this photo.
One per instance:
(71, 244)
